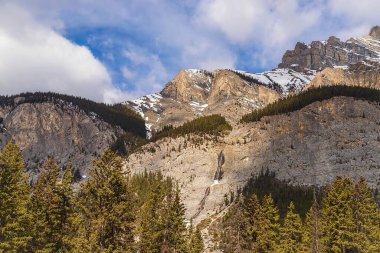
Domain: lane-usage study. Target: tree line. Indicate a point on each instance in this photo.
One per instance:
(117, 114)
(112, 211)
(345, 218)
(212, 124)
(298, 101)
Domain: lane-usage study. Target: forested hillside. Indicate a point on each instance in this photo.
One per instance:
(298, 101)
(111, 212)
(275, 217)
(213, 125)
(116, 114)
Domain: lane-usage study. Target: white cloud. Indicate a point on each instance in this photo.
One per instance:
(34, 57)
(206, 34)
(127, 73)
(269, 26)
(356, 17)
(258, 21)
(153, 73)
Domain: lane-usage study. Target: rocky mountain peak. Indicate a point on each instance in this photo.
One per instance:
(189, 85)
(375, 32)
(333, 53)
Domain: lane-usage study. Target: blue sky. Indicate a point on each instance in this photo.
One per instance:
(116, 50)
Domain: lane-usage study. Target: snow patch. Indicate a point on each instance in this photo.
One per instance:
(287, 80)
(198, 107)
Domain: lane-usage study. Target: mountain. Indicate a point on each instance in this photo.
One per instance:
(306, 126)
(231, 93)
(69, 129)
(333, 53)
(327, 132)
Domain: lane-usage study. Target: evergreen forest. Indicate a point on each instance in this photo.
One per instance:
(300, 100)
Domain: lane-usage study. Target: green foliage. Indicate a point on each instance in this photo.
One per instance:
(338, 217)
(269, 239)
(348, 221)
(298, 101)
(52, 210)
(213, 125)
(366, 218)
(111, 212)
(195, 243)
(291, 232)
(127, 144)
(160, 219)
(282, 192)
(312, 237)
(105, 204)
(117, 114)
(15, 219)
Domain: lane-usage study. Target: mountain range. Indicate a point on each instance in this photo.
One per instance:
(327, 137)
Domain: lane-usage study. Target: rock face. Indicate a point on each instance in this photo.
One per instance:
(59, 130)
(333, 52)
(375, 32)
(231, 93)
(360, 74)
(336, 137)
(193, 93)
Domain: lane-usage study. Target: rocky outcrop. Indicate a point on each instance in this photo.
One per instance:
(194, 93)
(189, 85)
(375, 32)
(56, 129)
(336, 137)
(333, 52)
(360, 74)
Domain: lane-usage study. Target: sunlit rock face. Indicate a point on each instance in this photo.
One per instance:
(333, 53)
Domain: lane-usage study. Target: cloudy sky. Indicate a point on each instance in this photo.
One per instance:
(114, 50)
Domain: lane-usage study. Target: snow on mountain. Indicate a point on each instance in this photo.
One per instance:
(370, 43)
(146, 103)
(287, 80)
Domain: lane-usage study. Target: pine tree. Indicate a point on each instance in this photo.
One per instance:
(254, 218)
(268, 234)
(105, 205)
(15, 219)
(174, 229)
(311, 239)
(312, 236)
(195, 243)
(150, 223)
(338, 217)
(367, 219)
(51, 205)
(291, 232)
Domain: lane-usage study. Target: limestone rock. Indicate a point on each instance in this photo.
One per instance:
(193, 93)
(310, 146)
(59, 130)
(333, 52)
(360, 74)
(375, 32)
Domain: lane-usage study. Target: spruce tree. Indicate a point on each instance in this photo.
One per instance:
(195, 243)
(367, 219)
(51, 205)
(291, 232)
(254, 219)
(105, 205)
(174, 229)
(268, 234)
(15, 219)
(312, 235)
(338, 217)
(151, 221)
